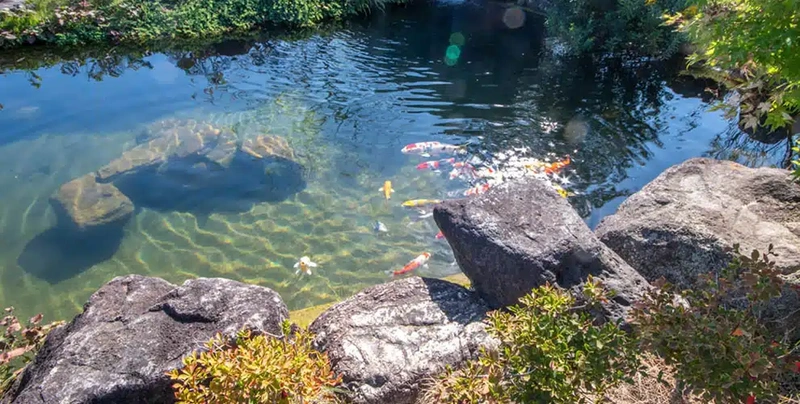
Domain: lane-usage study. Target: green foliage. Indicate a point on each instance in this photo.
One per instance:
(713, 337)
(551, 352)
(256, 369)
(617, 26)
(18, 344)
(71, 22)
(752, 44)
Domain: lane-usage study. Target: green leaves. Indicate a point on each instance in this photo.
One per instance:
(715, 341)
(750, 43)
(551, 352)
(256, 368)
(65, 22)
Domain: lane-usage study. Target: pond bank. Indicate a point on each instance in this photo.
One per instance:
(65, 24)
(387, 339)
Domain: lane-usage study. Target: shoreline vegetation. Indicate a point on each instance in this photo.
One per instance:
(70, 23)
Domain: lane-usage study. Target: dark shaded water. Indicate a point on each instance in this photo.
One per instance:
(346, 102)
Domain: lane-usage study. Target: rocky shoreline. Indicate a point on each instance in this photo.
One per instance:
(387, 340)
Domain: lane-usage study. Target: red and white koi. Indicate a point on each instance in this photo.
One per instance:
(478, 189)
(425, 149)
(439, 235)
(462, 169)
(435, 164)
(420, 261)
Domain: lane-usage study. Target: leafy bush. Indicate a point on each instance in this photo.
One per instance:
(18, 344)
(752, 45)
(550, 352)
(630, 26)
(711, 335)
(256, 369)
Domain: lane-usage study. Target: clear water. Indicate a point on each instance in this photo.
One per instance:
(347, 102)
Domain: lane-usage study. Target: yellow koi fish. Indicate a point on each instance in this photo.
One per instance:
(417, 203)
(387, 189)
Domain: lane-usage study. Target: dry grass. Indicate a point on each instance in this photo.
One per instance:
(647, 389)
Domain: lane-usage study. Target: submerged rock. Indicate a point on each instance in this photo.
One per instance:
(184, 156)
(87, 204)
(521, 234)
(386, 340)
(680, 224)
(135, 329)
(170, 140)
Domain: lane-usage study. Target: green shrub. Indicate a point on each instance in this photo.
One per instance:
(18, 345)
(713, 338)
(256, 369)
(752, 46)
(551, 352)
(72, 22)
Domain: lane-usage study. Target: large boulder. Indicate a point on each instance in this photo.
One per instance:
(388, 339)
(680, 224)
(135, 329)
(85, 204)
(683, 223)
(521, 234)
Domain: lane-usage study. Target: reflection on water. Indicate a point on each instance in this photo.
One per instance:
(346, 102)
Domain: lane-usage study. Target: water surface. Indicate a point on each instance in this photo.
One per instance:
(346, 101)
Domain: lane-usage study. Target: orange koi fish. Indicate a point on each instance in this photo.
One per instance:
(558, 165)
(478, 189)
(387, 189)
(421, 260)
(435, 164)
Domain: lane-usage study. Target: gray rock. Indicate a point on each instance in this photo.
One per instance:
(132, 331)
(86, 204)
(680, 226)
(521, 234)
(388, 339)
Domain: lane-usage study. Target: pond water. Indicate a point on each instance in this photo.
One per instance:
(346, 102)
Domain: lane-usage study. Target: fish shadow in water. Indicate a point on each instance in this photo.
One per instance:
(61, 252)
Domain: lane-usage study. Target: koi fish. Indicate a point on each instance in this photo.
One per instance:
(418, 203)
(435, 164)
(485, 172)
(558, 165)
(420, 261)
(439, 235)
(425, 149)
(460, 169)
(561, 191)
(304, 264)
(478, 189)
(380, 227)
(387, 189)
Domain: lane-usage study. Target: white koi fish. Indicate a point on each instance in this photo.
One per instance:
(304, 265)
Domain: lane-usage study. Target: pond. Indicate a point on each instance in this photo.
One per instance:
(180, 136)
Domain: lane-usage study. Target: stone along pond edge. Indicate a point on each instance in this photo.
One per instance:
(389, 338)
